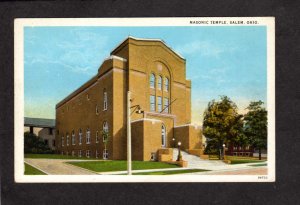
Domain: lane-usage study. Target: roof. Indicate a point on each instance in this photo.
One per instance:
(39, 122)
(148, 39)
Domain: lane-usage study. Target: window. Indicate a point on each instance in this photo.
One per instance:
(159, 104)
(88, 136)
(104, 100)
(53, 143)
(97, 110)
(62, 152)
(79, 153)
(62, 141)
(46, 142)
(97, 154)
(159, 81)
(152, 80)
(67, 153)
(50, 131)
(87, 96)
(166, 105)
(73, 153)
(166, 84)
(67, 139)
(152, 103)
(97, 137)
(88, 153)
(163, 136)
(80, 137)
(73, 138)
(105, 154)
(105, 130)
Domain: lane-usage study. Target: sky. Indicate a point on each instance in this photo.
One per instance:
(220, 60)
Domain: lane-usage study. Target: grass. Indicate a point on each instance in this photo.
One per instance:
(170, 172)
(29, 170)
(55, 156)
(107, 166)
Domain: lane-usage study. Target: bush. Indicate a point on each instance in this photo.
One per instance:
(35, 145)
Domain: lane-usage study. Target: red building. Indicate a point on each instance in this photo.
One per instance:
(234, 150)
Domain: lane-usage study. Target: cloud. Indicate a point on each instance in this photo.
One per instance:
(77, 53)
(204, 48)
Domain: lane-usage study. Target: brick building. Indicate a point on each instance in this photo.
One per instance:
(43, 128)
(161, 105)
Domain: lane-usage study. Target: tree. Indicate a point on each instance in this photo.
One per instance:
(221, 124)
(256, 125)
(34, 144)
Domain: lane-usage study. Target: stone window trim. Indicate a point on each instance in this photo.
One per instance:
(166, 84)
(88, 153)
(166, 105)
(62, 141)
(105, 105)
(88, 136)
(105, 154)
(97, 110)
(160, 83)
(105, 129)
(73, 138)
(152, 80)
(152, 103)
(97, 136)
(67, 139)
(97, 154)
(159, 103)
(80, 137)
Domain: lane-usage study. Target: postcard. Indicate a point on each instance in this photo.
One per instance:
(144, 99)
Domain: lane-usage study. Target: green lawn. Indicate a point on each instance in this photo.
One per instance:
(170, 172)
(55, 156)
(107, 166)
(29, 170)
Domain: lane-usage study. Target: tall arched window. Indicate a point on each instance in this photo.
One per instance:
(73, 137)
(97, 110)
(159, 82)
(105, 130)
(88, 136)
(80, 137)
(163, 135)
(166, 85)
(62, 141)
(152, 80)
(67, 139)
(104, 99)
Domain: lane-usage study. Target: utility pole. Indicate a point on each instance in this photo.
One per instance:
(128, 134)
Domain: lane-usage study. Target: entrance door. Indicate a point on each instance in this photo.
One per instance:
(163, 135)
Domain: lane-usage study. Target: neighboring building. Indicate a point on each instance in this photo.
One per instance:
(43, 128)
(234, 150)
(156, 77)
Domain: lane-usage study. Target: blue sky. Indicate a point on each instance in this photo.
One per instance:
(219, 60)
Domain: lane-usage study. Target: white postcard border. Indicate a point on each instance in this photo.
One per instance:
(19, 25)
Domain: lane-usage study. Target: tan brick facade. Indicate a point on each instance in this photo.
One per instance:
(129, 67)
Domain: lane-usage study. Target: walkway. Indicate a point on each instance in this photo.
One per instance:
(57, 167)
(218, 167)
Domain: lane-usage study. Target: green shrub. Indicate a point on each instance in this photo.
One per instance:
(35, 145)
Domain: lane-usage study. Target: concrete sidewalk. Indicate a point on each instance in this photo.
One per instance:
(60, 167)
(57, 167)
